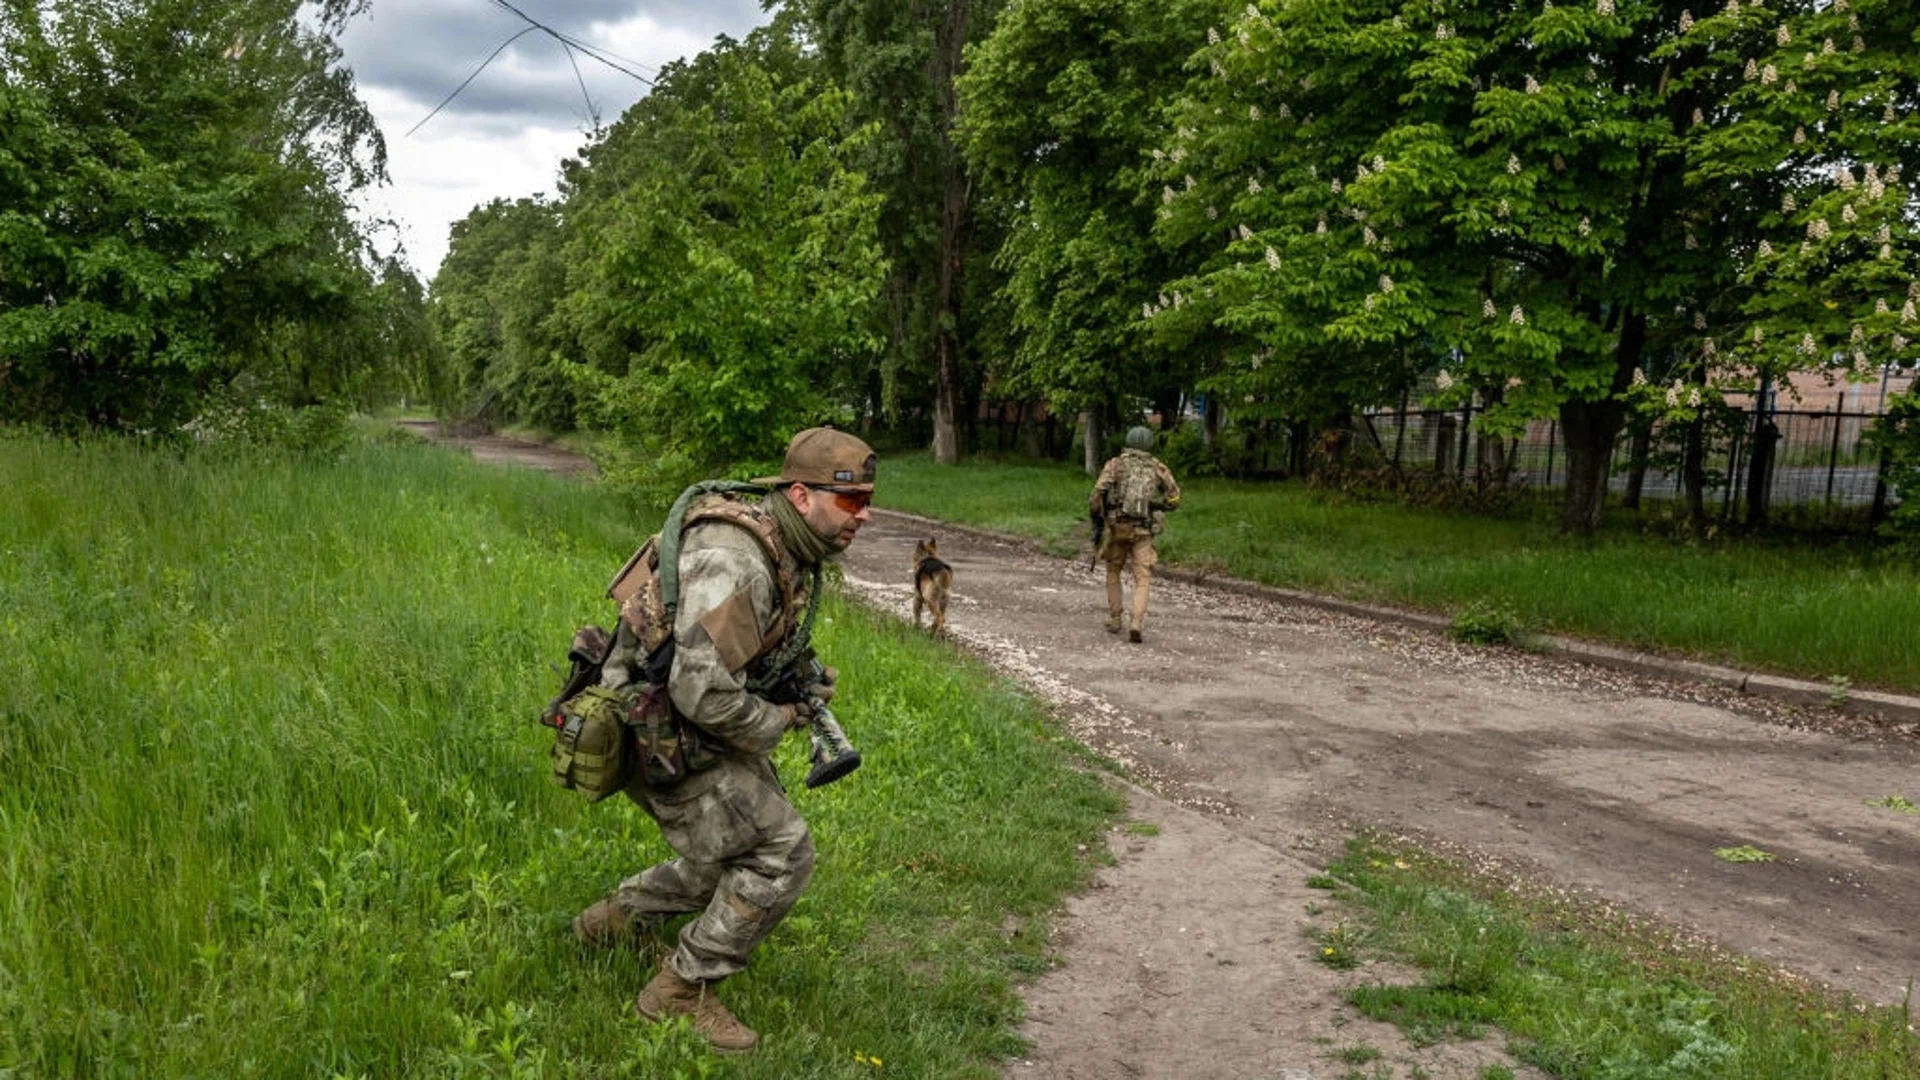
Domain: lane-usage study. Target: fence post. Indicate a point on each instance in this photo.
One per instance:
(1833, 454)
(1553, 429)
(1466, 434)
(1400, 429)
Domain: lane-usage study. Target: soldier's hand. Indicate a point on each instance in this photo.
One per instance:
(798, 715)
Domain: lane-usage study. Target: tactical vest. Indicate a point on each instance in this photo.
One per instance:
(605, 732)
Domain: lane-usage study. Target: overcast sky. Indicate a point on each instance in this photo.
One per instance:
(505, 134)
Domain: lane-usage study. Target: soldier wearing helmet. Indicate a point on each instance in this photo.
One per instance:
(1132, 497)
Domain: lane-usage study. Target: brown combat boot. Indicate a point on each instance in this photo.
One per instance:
(669, 995)
(607, 925)
(1133, 636)
(1113, 623)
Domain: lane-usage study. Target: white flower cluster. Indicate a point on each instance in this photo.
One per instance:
(1833, 100)
(1799, 136)
(1791, 88)
(1367, 237)
(1826, 47)
(1765, 250)
(1769, 75)
(1533, 85)
(1788, 204)
(1880, 306)
(1487, 309)
(1379, 164)
(1818, 230)
(1372, 298)
(1699, 320)
(1753, 70)
(1673, 395)
(1189, 181)
(1806, 345)
(1906, 311)
(1179, 154)
(1847, 215)
(1887, 115)
(1884, 234)
(1858, 335)
(1273, 259)
(1692, 240)
(1517, 317)
(1585, 227)
(1844, 177)
(1218, 71)
(1253, 185)
(1285, 112)
(1166, 194)
(1245, 233)
(1639, 377)
(1253, 113)
(1708, 348)
(1213, 214)
(1213, 36)
(1513, 164)
(1699, 117)
(1386, 284)
(1336, 185)
(1603, 7)
(1808, 61)
(1504, 210)
(1783, 36)
(1899, 342)
(1321, 228)
(1443, 382)
(1693, 398)
(1442, 32)
(1686, 21)
(1733, 9)
(1759, 336)
(1361, 173)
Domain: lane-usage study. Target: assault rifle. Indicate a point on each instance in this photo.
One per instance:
(1099, 527)
(833, 753)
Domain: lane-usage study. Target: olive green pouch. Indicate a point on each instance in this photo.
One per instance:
(593, 752)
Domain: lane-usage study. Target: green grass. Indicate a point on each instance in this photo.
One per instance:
(272, 803)
(1591, 999)
(1806, 609)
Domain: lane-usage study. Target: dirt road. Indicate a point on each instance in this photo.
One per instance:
(1278, 725)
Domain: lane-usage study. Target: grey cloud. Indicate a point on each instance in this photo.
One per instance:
(422, 49)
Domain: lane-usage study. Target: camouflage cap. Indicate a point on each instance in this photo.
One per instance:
(826, 457)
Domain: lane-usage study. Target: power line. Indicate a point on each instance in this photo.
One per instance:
(463, 83)
(567, 42)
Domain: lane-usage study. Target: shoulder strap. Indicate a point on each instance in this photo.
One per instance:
(676, 524)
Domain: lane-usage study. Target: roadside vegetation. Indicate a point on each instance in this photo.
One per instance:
(1815, 610)
(272, 802)
(1585, 996)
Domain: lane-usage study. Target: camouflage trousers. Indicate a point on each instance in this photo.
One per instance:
(744, 855)
(1126, 542)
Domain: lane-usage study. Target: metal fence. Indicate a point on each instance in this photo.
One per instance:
(1820, 457)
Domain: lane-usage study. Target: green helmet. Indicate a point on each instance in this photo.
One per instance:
(1140, 437)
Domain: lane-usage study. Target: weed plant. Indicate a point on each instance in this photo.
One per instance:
(1601, 1004)
(272, 803)
(1806, 609)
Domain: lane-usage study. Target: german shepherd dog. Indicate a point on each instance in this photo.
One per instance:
(932, 581)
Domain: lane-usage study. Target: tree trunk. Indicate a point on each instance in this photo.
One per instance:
(1210, 420)
(950, 36)
(1090, 433)
(1637, 463)
(1589, 427)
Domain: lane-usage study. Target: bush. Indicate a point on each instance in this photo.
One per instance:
(1897, 434)
(1187, 454)
(1481, 623)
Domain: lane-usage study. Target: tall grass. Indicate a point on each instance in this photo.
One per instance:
(271, 803)
(1810, 609)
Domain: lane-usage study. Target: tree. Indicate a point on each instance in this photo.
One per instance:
(1060, 110)
(1528, 191)
(172, 201)
(725, 284)
(898, 63)
(494, 301)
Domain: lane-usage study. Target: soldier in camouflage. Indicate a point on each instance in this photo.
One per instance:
(1132, 496)
(743, 852)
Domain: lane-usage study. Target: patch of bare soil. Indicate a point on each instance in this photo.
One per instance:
(504, 450)
(1267, 731)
